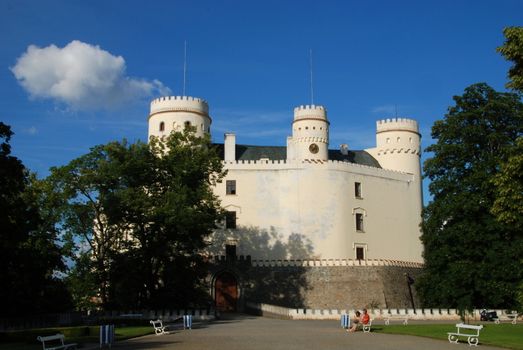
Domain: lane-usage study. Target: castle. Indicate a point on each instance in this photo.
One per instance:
(305, 205)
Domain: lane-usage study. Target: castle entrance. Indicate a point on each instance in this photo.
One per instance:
(226, 292)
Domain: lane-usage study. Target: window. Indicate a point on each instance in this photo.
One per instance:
(162, 126)
(357, 189)
(230, 219)
(360, 253)
(230, 187)
(359, 222)
(187, 125)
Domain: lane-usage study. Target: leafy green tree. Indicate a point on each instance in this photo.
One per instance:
(169, 211)
(508, 205)
(85, 187)
(144, 212)
(512, 50)
(471, 258)
(29, 252)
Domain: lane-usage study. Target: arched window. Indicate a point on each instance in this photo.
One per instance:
(187, 125)
(162, 126)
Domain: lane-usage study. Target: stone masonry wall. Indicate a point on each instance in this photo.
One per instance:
(325, 287)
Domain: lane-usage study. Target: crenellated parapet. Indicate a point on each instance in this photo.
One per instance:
(335, 262)
(179, 104)
(310, 112)
(397, 124)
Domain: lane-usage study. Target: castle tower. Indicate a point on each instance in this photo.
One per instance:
(310, 134)
(177, 112)
(398, 145)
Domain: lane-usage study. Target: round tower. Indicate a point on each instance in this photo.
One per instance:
(310, 133)
(398, 145)
(178, 112)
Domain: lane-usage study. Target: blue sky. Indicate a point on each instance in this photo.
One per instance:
(74, 74)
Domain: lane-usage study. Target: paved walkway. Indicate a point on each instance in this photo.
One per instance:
(259, 333)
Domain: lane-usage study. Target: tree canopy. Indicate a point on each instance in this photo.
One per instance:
(471, 258)
(144, 212)
(30, 254)
(512, 50)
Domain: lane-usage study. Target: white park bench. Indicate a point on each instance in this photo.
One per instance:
(512, 318)
(159, 328)
(366, 327)
(469, 331)
(403, 319)
(57, 342)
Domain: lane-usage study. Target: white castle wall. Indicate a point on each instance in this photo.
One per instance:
(375, 314)
(316, 200)
(311, 196)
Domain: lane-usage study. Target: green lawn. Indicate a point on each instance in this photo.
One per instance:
(90, 335)
(503, 335)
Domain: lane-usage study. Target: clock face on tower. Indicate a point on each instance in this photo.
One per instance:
(313, 148)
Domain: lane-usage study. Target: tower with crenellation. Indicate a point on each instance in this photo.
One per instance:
(174, 113)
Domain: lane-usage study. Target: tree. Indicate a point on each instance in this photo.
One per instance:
(471, 259)
(170, 211)
(85, 187)
(29, 252)
(508, 205)
(144, 211)
(512, 50)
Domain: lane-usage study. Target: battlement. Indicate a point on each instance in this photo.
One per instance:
(397, 124)
(310, 112)
(335, 262)
(331, 165)
(179, 104)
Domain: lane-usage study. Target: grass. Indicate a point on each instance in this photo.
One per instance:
(26, 340)
(503, 335)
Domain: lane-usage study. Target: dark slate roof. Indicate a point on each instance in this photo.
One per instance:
(247, 152)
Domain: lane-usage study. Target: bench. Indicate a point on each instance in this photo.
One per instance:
(57, 341)
(512, 318)
(472, 335)
(405, 320)
(366, 327)
(159, 328)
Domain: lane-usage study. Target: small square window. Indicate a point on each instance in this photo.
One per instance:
(360, 253)
(359, 222)
(357, 189)
(230, 187)
(230, 219)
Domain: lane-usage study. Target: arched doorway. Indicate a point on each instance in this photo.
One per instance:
(226, 292)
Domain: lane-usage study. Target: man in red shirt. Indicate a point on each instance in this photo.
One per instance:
(365, 318)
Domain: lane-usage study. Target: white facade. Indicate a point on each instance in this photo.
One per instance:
(305, 201)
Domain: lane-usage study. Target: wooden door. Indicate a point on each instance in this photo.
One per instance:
(226, 292)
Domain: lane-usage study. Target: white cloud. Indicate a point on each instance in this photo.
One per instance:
(82, 76)
(385, 109)
(32, 130)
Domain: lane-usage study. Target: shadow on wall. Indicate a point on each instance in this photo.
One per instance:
(262, 244)
(276, 285)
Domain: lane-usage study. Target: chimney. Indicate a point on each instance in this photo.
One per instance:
(344, 149)
(230, 147)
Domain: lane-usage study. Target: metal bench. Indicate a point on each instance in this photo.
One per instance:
(472, 337)
(366, 327)
(57, 342)
(512, 318)
(159, 328)
(405, 320)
